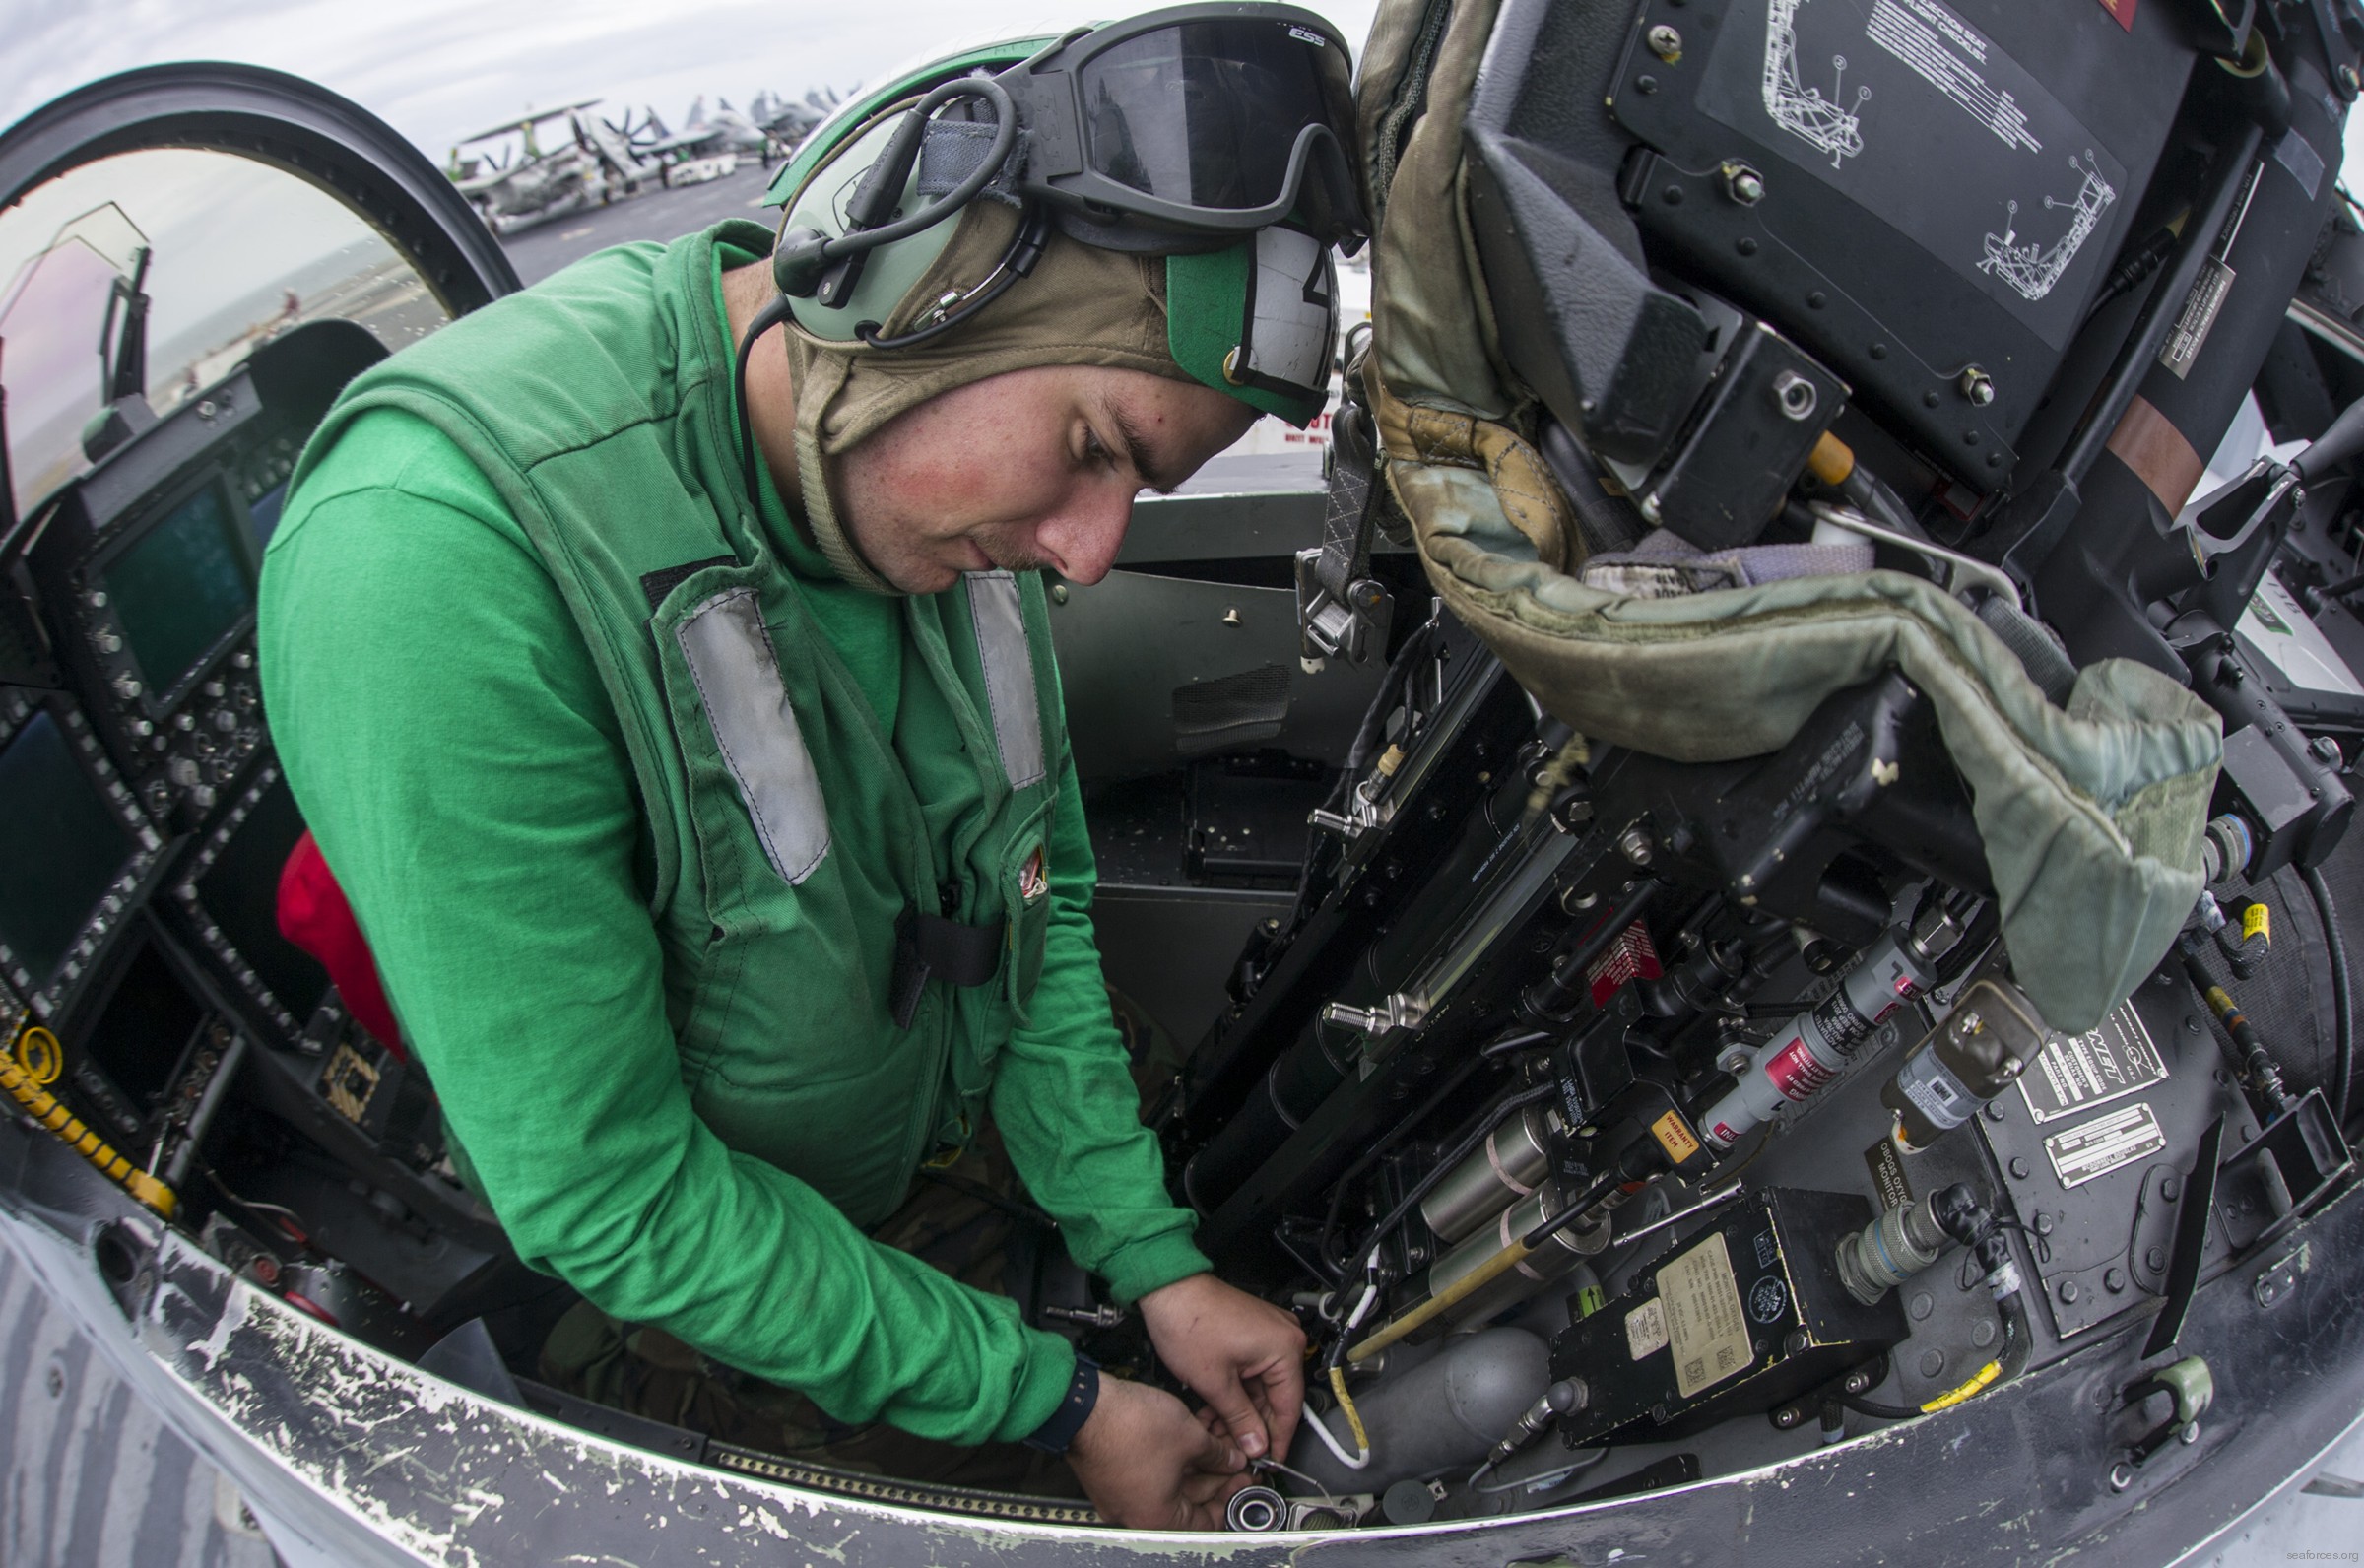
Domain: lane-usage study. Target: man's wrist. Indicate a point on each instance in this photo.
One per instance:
(1058, 1433)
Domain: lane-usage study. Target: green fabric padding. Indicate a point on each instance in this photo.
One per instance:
(1206, 305)
(2091, 816)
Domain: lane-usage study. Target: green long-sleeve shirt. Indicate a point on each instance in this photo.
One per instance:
(456, 755)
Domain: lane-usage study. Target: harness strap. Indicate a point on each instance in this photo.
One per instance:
(931, 948)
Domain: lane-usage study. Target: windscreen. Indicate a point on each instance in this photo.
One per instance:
(1208, 114)
(60, 848)
(240, 893)
(180, 589)
(239, 252)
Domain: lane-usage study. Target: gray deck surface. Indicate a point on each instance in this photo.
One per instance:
(543, 249)
(88, 1476)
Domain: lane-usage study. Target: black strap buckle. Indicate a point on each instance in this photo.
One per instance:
(931, 948)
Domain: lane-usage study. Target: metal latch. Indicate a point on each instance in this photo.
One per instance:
(2191, 1389)
(1351, 626)
(1394, 1013)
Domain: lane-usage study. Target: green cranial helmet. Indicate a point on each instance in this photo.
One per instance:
(1216, 136)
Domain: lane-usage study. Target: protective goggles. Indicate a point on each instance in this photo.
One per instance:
(1226, 116)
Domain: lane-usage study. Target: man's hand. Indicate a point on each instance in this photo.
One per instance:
(1148, 1463)
(1245, 1357)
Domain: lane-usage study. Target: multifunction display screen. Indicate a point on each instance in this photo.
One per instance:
(180, 589)
(62, 845)
(240, 893)
(140, 1036)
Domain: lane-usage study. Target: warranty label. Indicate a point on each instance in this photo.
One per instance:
(2074, 1072)
(1675, 1138)
(2104, 1143)
(1646, 1328)
(1704, 1320)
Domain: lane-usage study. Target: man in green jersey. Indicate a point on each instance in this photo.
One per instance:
(660, 659)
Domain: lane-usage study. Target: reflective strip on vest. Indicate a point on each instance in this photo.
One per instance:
(738, 675)
(994, 606)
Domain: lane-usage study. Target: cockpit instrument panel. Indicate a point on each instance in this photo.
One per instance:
(171, 597)
(147, 569)
(76, 853)
(226, 888)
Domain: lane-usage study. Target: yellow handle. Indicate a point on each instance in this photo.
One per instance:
(46, 1110)
(1467, 1285)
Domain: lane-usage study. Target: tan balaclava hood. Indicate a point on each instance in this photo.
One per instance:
(1081, 305)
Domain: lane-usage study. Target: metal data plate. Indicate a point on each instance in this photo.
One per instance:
(2074, 1074)
(2096, 1146)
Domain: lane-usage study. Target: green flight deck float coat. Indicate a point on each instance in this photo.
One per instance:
(629, 793)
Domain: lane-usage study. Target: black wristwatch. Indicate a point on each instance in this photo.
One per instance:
(1082, 1393)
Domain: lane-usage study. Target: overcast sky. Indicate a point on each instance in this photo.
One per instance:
(438, 70)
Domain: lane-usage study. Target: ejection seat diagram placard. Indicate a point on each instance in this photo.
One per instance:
(1917, 116)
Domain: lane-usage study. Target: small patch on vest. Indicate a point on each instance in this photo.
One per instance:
(1033, 878)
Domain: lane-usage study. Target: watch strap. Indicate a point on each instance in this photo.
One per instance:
(1054, 1435)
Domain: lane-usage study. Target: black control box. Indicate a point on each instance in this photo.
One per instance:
(1745, 1314)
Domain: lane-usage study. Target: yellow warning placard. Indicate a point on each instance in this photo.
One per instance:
(1675, 1138)
(1704, 1320)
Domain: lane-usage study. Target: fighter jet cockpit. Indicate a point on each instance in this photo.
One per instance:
(1743, 900)
(160, 385)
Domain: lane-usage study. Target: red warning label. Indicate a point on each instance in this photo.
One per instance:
(1795, 1071)
(2122, 10)
(1632, 956)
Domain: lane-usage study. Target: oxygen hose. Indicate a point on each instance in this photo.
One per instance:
(2251, 1061)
